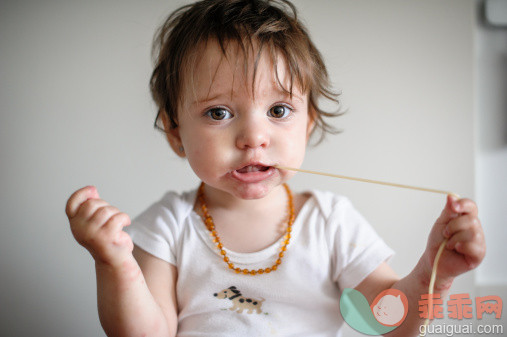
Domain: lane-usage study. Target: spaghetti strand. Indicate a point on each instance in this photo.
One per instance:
(433, 277)
(371, 181)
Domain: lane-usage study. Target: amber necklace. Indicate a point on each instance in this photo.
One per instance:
(208, 221)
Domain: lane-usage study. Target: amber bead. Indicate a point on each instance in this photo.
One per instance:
(208, 221)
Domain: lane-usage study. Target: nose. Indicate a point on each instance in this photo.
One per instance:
(252, 134)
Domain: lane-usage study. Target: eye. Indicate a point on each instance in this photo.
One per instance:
(218, 114)
(279, 111)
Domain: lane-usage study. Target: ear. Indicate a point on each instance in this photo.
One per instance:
(172, 135)
(311, 121)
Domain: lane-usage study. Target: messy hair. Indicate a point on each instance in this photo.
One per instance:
(270, 25)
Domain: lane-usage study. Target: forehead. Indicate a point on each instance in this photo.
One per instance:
(212, 69)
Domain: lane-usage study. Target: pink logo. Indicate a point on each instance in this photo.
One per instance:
(390, 307)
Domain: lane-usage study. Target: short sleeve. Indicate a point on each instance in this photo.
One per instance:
(156, 230)
(358, 250)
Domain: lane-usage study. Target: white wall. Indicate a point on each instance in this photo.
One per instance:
(491, 112)
(75, 110)
(491, 144)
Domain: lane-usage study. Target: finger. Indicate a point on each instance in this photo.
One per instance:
(78, 197)
(459, 237)
(465, 206)
(474, 252)
(448, 213)
(89, 207)
(122, 239)
(102, 215)
(461, 223)
(115, 224)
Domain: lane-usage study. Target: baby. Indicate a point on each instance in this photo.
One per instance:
(237, 84)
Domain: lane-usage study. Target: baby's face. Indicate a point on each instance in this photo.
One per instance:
(233, 135)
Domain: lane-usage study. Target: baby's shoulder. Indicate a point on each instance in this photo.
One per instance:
(330, 204)
(171, 210)
(158, 230)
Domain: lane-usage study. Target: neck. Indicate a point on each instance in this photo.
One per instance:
(218, 199)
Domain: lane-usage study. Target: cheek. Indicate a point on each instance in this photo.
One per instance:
(200, 155)
(295, 145)
(199, 161)
(205, 155)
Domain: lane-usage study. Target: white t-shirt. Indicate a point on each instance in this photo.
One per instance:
(332, 247)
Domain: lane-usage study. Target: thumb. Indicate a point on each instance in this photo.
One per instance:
(449, 212)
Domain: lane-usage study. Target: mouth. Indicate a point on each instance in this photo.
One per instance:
(254, 172)
(253, 168)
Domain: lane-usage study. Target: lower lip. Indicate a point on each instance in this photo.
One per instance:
(253, 177)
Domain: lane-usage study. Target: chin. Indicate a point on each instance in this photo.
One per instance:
(252, 192)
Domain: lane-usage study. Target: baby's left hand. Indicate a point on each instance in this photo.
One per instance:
(466, 246)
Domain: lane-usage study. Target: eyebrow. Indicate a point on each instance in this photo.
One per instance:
(208, 99)
(285, 95)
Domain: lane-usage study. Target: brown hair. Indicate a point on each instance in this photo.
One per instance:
(267, 23)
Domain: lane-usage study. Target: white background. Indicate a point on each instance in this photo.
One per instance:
(423, 83)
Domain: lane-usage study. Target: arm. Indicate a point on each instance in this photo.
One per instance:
(160, 278)
(126, 305)
(132, 303)
(463, 252)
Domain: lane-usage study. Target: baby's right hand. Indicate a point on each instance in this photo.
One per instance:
(97, 226)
